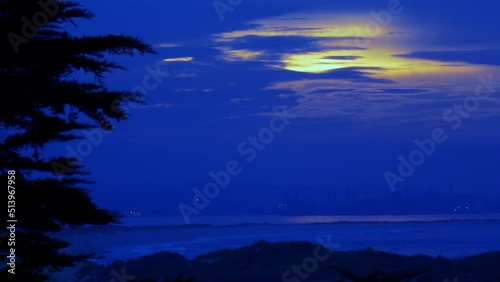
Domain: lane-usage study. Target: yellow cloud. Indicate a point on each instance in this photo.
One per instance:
(181, 59)
(373, 46)
(391, 66)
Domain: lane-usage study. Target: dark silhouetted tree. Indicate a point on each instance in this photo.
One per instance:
(42, 103)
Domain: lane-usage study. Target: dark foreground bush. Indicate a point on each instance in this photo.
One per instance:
(295, 262)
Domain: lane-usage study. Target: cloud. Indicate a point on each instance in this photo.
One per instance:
(480, 57)
(342, 57)
(319, 43)
(239, 100)
(316, 64)
(167, 45)
(371, 102)
(325, 25)
(239, 54)
(181, 59)
(156, 106)
(196, 90)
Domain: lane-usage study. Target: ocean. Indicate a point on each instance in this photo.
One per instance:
(451, 236)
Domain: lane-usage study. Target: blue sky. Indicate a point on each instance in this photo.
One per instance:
(363, 80)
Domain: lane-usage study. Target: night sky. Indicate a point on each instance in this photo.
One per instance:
(359, 82)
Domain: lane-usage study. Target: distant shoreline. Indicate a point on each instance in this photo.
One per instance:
(143, 221)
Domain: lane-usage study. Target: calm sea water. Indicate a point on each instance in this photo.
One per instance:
(432, 235)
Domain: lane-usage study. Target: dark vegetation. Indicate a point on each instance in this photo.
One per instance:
(43, 103)
(265, 261)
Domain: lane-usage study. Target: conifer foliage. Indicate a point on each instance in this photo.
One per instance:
(43, 103)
